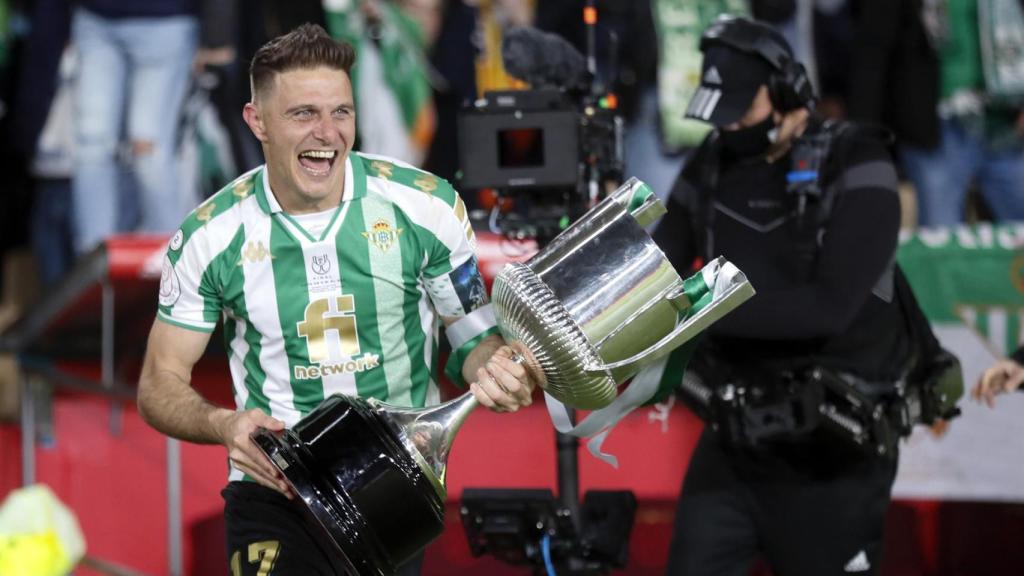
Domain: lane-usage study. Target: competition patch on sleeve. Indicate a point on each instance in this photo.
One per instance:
(170, 288)
(460, 291)
(177, 240)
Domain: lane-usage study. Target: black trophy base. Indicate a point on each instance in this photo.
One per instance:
(360, 489)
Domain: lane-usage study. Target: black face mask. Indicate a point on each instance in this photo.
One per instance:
(749, 141)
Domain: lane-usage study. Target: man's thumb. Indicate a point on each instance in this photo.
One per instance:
(268, 421)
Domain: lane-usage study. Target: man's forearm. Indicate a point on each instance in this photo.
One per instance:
(169, 403)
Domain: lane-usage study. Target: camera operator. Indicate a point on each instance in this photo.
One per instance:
(809, 211)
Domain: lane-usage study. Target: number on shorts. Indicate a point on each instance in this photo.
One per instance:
(263, 552)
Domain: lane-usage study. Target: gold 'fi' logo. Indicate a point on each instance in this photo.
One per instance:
(382, 235)
(332, 356)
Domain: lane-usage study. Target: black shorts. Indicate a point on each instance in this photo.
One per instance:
(814, 509)
(268, 535)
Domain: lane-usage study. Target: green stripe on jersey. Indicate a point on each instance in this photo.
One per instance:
(290, 283)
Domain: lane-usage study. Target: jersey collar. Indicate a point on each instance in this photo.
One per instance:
(355, 185)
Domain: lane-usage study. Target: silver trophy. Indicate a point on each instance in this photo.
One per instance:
(592, 308)
(602, 302)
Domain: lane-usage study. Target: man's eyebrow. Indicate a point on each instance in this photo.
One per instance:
(299, 108)
(310, 107)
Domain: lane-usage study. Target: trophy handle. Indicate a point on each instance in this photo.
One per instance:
(640, 201)
(428, 433)
(737, 292)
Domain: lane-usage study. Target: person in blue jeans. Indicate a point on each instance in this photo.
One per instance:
(967, 153)
(135, 60)
(981, 140)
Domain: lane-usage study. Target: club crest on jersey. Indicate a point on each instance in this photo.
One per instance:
(382, 235)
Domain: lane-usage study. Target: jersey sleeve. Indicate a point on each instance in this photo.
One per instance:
(451, 275)
(188, 297)
(456, 287)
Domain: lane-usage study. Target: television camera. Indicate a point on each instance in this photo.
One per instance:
(554, 149)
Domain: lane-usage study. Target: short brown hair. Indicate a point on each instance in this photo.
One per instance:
(308, 46)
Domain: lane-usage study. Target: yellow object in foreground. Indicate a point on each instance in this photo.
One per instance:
(39, 536)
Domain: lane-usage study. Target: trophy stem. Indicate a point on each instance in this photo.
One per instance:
(431, 431)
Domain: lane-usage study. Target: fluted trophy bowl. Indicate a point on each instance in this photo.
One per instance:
(589, 310)
(602, 301)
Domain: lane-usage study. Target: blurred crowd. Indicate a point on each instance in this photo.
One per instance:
(121, 115)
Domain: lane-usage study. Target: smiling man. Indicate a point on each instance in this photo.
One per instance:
(332, 271)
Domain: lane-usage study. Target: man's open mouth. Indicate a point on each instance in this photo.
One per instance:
(318, 162)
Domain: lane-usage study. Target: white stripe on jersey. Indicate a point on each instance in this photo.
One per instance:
(323, 280)
(239, 348)
(323, 256)
(430, 327)
(261, 306)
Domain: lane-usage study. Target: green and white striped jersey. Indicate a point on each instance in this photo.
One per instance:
(354, 311)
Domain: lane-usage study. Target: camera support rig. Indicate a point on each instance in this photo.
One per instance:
(555, 150)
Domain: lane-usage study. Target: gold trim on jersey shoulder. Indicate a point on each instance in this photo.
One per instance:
(243, 188)
(382, 169)
(205, 212)
(427, 183)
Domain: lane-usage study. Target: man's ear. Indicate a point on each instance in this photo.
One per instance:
(253, 117)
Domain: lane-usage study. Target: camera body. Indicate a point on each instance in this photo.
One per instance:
(548, 149)
(519, 139)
